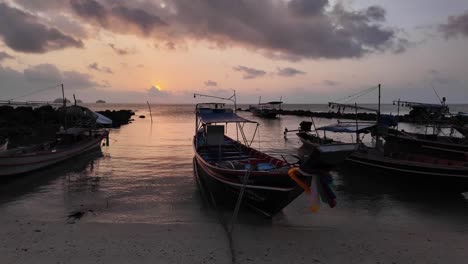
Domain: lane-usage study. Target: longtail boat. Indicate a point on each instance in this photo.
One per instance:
(229, 168)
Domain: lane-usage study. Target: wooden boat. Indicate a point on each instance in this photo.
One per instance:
(327, 152)
(226, 166)
(266, 110)
(68, 144)
(427, 143)
(420, 168)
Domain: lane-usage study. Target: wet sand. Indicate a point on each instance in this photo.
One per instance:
(29, 241)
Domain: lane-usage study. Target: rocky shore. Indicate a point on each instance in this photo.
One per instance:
(28, 125)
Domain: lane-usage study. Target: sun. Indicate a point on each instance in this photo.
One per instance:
(158, 86)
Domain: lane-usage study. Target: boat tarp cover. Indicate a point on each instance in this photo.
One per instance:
(223, 117)
(103, 120)
(348, 127)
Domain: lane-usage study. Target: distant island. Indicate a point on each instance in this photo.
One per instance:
(100, 102)
(60, 100)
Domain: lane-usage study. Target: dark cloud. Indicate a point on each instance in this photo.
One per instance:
(5, 56)
(249, 73)
(307, 7)
(90, 10)
(211, 83)
(95, 66)
(145, 21)
(119, 17)
(43, 73)
(119, 51)
(37, 77)
(455, 26)
(270, 27)
(23, 32)
(330, 83)
(78, 80)
(376, 13)
(49, 74)
(291, 30)
(289, 72)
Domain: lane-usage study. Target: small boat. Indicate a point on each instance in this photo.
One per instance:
(421, 168)
(266, 110)
(327, 152)
(68, 144)
(229, 168)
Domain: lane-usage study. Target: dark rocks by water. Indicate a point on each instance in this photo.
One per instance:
(27, 125)
(119, 118)
(408, 118)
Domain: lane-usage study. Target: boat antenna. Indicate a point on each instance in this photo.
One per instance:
(259, 99)
(232, 98)
(435, 91)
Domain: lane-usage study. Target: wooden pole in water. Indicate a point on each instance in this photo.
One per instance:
(151, 115)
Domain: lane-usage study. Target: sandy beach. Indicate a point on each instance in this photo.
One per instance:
(29, 241)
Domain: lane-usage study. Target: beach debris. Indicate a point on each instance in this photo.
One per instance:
(75, 216)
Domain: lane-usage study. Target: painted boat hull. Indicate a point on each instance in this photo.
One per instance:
(266, 192)
(21, 164)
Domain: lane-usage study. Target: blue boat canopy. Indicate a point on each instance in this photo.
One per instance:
(221, 116)
(348, 127)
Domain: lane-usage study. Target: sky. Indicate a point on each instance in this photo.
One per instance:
(303, 51)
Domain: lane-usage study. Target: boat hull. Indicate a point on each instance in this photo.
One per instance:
(416, 172)
(22, 164)
(266, 192)
(264, 200)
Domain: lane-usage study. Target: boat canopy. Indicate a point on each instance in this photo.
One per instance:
(349, 127)
(221, 116)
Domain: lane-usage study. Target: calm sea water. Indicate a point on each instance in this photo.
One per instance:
(146, 176)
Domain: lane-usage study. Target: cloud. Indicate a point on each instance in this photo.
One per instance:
(455, 26)
(287, 30)
(211, 83)
(156, 91)
(330, 83)
(119, 51)
(95, 66)
(307, 7)
(43, 73)
(249, 73)
(274, 28)
(23, 32)
(17, 83)
(49, 74)
(5, 56)
(289, 72)
(120, 18)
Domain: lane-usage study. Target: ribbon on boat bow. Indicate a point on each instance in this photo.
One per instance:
(320, 188)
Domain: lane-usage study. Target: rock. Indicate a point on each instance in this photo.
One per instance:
(142, 116)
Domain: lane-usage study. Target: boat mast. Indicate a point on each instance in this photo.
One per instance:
(377, 135)
(63, 97)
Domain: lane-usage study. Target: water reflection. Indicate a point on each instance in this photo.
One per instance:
(146, 176)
